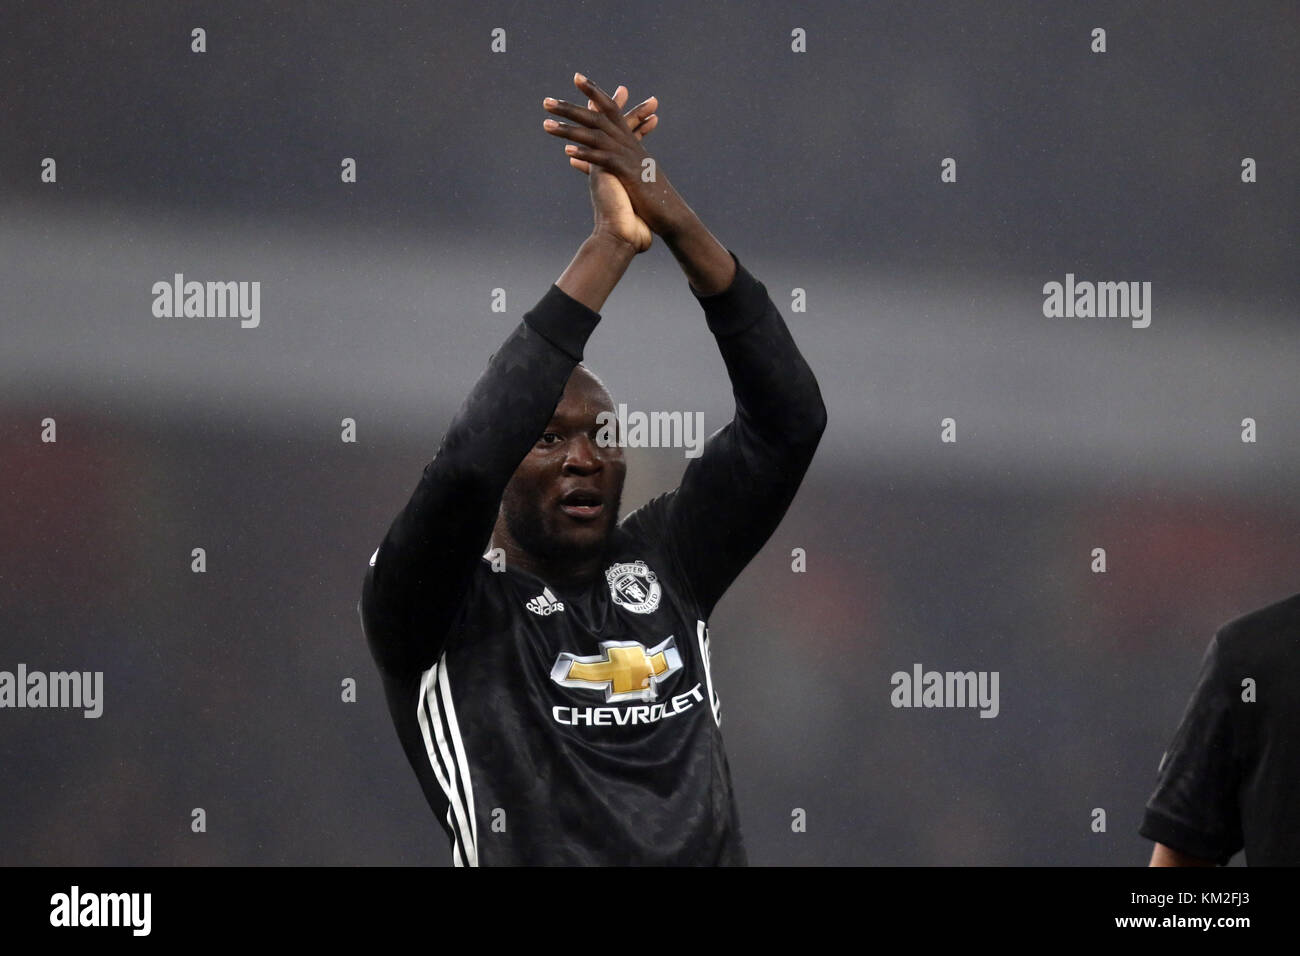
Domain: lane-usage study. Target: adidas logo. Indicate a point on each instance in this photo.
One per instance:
(545, 603)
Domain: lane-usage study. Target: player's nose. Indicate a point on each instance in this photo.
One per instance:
(584, 456)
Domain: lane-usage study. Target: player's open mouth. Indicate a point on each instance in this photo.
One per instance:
(583, 505)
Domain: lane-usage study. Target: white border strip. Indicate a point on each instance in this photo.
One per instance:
(450, 773)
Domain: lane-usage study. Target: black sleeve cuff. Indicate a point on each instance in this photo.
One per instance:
(563, 321)
(1177, 836)
(736, 307)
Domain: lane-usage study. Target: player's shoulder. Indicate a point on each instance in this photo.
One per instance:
(647, 534)
(1260, 633)
(490, 586)
(649, 522)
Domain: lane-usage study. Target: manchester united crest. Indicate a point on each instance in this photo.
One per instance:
(634, 586)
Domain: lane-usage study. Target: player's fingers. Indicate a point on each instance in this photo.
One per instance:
(575, 114)
(596, 157)
(641, 123)
(646, 127)
(620, 97)
(637, 116)
(640, 120)
(603, 103)
(579, 134)
(641, 111)
(602, 112)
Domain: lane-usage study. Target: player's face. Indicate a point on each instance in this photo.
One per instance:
(563, 499)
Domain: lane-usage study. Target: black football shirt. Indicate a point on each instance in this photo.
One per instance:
(582, 725)
(1230, 779)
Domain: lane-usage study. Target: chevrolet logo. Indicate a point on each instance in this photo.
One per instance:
(624, 670)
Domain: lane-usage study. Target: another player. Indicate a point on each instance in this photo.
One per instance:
(1231, 778)
(562, 709)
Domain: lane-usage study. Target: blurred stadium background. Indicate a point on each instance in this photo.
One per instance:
(820, 171)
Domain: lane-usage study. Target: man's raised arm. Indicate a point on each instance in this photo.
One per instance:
(733, 497)
(419, 573)
(735, 494)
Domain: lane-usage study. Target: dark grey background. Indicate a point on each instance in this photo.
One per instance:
(821, 171)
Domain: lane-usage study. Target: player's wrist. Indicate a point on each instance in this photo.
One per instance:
(596, 269)
(609, 242)
(678, 222)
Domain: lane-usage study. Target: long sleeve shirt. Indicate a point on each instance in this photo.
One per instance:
(582, 725)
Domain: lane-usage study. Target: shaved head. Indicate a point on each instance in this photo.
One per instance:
(583, 372)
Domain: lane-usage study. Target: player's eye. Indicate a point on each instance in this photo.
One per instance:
(549, 438)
